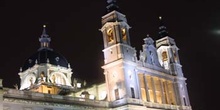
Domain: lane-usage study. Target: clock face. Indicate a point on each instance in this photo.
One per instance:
(110, 35)
(124, 36)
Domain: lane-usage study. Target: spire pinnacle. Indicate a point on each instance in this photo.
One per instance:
(44, 33)
(162, 28)
(112, 5)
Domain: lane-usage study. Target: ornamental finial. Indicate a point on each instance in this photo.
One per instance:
(160, 17)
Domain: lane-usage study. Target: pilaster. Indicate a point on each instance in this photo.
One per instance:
(167, 92)
(146, 87)
(162, 91)
(154, 89)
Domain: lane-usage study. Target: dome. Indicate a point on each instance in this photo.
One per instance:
(43, 56)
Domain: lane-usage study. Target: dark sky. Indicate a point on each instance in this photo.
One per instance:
(74, 30)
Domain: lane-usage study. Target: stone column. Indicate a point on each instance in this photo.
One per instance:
(162, 91)
(107, 85)
(167, 92)
(186, 95)
(176, 91)
(154, 90)
(47, 75)
(138, 83)
(146, 88)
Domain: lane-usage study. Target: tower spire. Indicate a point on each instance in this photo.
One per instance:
(162, 28)
(44, 39)
(112, 5)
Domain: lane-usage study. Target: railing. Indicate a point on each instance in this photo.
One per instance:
(27, 95)
(148, 104)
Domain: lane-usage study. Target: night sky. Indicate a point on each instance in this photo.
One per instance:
(74, 29)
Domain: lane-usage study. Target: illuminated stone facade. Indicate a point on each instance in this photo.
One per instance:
(151, 81)
(155, 77)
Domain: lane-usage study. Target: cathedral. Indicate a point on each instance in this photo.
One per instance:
(150, 80)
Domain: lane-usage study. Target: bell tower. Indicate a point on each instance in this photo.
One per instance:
(115, 32)
(119, 55)
(168, 51)
(169, 59)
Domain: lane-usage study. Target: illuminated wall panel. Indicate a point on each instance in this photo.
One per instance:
(150, 89)
(158, 90)
(142, 87)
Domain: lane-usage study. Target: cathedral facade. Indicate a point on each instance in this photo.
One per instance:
(154, 80)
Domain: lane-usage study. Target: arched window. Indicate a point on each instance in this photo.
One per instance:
(132, 92)
(164, 56)
(58, 78)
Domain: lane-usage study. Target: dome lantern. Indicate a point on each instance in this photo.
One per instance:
(44, 39)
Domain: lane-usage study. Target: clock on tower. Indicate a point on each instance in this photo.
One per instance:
(110, 36)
